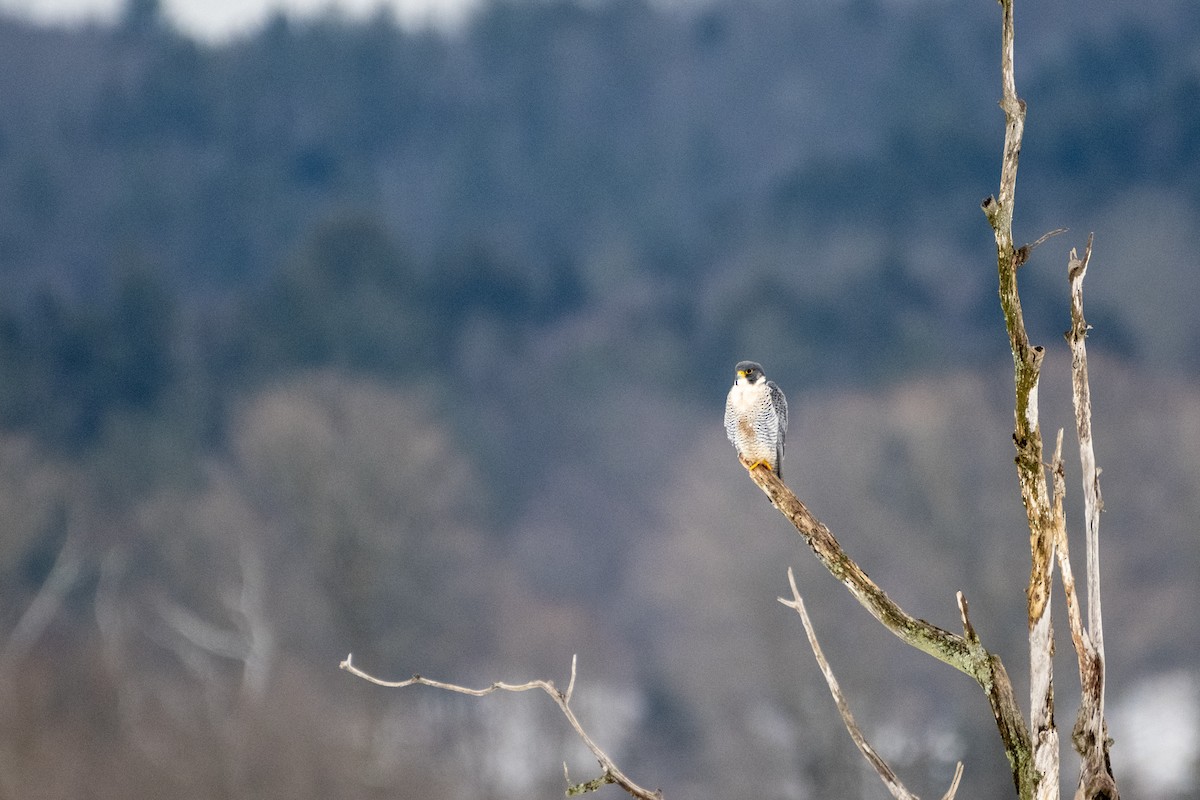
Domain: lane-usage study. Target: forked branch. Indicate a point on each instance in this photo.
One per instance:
(610, 773)
(885, 772)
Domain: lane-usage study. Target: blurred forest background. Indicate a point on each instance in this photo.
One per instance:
(341, 337)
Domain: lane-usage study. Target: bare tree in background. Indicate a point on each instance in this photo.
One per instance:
(1033, 749)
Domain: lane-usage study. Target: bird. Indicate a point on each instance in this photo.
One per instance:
(756, 418)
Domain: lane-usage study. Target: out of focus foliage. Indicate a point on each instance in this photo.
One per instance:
(353, 194)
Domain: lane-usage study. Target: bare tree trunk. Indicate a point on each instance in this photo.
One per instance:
(1027, 434)
(1047, 524)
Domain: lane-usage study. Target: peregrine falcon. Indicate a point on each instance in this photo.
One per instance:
(756, 418)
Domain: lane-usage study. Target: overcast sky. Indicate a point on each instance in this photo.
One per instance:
(218, 19)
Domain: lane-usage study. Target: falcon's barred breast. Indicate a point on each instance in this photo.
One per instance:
(756, 418)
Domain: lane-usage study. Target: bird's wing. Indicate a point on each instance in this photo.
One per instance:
(779, 402)
(730, 416)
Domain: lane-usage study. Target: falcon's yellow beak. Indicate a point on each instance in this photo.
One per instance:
(741, 373)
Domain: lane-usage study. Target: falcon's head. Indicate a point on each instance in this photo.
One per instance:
(749, 372)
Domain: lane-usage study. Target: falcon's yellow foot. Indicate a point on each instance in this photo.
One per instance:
(750, 465)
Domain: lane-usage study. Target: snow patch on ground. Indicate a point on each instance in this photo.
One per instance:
(1156, 728)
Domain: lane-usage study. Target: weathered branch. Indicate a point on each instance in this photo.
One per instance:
(1082, 400)
(964, 653)
(610, 773)
(1090, 734)
(885, 772)
(1044, 732)
(1042, 780)
(943, 645)
(1027, 358)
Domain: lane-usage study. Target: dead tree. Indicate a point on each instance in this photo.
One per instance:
(1033, 752)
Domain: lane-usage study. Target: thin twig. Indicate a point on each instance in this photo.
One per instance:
(571, 682)
(964, 614)
(1025, 250)
(958, 773)
(881, 767)
(610, 772)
